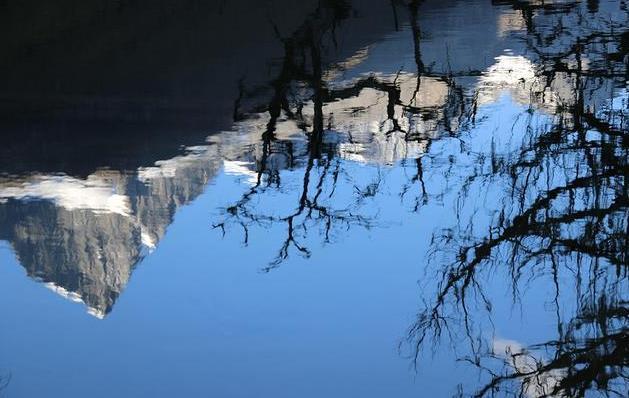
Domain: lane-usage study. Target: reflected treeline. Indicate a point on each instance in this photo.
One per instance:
(317, 119)
(562, 217)
(301, 70)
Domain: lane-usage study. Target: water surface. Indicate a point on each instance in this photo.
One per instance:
(334, 198)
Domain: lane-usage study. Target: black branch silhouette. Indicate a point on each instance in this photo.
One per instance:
(301, 82)
(566, 211)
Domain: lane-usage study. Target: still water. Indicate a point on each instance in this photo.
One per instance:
(336, 198)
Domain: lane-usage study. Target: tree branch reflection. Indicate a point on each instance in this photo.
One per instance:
(565, 214)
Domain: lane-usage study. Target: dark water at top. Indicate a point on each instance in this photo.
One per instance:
(359, 198)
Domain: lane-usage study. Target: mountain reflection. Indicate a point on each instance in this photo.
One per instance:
(343, 104)
(83, 237)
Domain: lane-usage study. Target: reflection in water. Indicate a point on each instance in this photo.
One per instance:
(380, 118)
(562, 218)
(5, 379)
(541, 200)
(83, 237)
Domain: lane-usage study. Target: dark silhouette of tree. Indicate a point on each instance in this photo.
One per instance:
(592, 354)
(302, 63)
(566, 212)
(564, 209)
(302, 72)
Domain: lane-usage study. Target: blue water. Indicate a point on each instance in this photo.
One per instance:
(305, 252)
